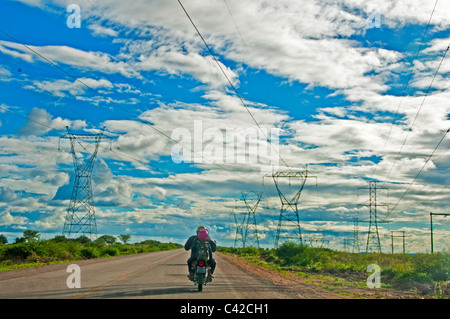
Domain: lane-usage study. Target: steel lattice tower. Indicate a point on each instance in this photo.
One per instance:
(239, 235)
(289, 221)
(251, 230)
(373, 237)
(80, 217)
(356, 247)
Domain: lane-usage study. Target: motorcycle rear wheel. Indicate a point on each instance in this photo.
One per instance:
(200, 280)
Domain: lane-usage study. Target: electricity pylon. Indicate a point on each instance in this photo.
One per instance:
(238, 222)
(289, 221)
(80, 217)
(251, 228)
(356, 244)
(373, 237)
(316, 240)
(356, 247)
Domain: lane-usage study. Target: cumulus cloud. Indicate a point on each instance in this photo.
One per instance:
(40, 122)
(7, 219)
(7, 194)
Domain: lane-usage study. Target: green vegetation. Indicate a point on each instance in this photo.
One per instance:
(31, 251)
(396, 270)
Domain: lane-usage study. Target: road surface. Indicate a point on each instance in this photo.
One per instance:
(149, 275)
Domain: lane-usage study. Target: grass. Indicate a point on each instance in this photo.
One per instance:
(336, 268)
(60, 249)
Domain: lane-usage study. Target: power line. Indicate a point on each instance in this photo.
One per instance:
(237, 29)
(407, 82)
(117, 153)
(229, 81)
(425, 164)
(119, 106)
(418, 111)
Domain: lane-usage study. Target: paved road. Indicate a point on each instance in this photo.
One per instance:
(150, 275)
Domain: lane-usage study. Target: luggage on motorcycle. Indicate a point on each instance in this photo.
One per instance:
(202, 248)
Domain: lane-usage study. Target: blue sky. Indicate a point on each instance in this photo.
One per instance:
(349, 87)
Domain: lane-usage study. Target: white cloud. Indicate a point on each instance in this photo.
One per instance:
(99, 30)
(75, 88)
(40, 122)
(7, 219)
(203, 69)
(5, 74)
(97, 61)
(7, 194)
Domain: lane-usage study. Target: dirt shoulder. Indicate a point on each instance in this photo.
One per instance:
(329, 286)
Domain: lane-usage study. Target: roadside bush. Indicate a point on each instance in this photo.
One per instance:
(90, 252)
(250, 251)
(127, 250)
(110, 251)
(289, 253)
(437, 266)
(293, 254)
(268, 255)
(60, 249)
(17, 252)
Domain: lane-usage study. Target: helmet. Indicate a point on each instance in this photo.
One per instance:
(203, 235)
(200, 228)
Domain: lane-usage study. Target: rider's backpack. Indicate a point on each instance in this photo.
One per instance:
(202, 250)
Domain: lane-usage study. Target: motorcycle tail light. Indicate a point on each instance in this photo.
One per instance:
(201, 263)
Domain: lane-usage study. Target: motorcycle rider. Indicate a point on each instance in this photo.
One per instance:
(191, 244)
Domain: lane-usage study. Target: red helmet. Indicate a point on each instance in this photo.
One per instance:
(203, 235)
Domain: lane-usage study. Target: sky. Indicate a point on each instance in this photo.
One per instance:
(202, 102)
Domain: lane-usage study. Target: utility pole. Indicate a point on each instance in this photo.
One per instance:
(289, 221)
(394, 236)
(373, 236)
(80, 217)
(431, 227)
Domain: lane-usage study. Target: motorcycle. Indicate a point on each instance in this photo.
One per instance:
(201, 270)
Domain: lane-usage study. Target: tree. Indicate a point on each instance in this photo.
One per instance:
(106, 239)
(31, 235)
(19, 240)
(84, 240)
(124, 238)
(3, 239)
(60, 239)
